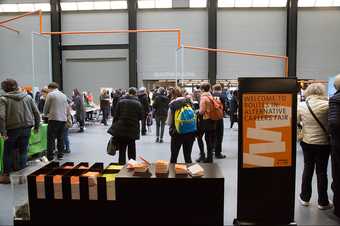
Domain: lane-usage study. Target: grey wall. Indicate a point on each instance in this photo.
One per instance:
(96, 70)
(156, 52)
(251, 30)
(91, 70)
(16, 51)
(318, 43)
(95, 21)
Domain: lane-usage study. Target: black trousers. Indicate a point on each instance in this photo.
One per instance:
(177, 141)
(160, 125)
(335, 153)
(315, 158)
(233, 119)
(144, 125)
(124, 143)
(219, 136)
(55, 130)
(199, 137)
(106, 112)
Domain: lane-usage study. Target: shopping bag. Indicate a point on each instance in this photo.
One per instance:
(112, 147)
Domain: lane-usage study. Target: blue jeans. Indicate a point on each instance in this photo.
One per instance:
(16, 149)
(66, 139)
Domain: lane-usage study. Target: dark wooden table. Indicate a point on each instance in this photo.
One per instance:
(143, 199)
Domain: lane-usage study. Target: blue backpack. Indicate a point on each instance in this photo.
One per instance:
(185, 120)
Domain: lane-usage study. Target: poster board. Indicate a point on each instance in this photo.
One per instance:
(266, 151)
(267, 122)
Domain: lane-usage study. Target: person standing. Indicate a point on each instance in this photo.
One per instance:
(125, 125)
(185, 139)
(144, 100)
(18, 114)
(115, 99)
(55, 110)
(78, 106)
(233, 106)
(161, 106)
(334, 129)
(209, 125)
(217, 94)
(105, 105)
(315, 144)
(42, 99)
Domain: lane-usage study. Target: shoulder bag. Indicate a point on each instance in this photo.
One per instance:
(317, 120)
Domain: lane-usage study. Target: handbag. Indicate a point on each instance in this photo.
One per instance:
(317, 120)
(112, 147)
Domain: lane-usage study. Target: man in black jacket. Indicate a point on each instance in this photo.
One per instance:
(125, 126)
(334, 129)
(161, 106)
(144, 100)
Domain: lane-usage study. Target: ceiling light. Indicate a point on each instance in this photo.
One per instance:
(25, 7)
(8, 8)
(146, 4)
(69, 6)
(198, 3)
(118, 4)
(226, 3)
(102, 5)
(85, 5)
(46, 7)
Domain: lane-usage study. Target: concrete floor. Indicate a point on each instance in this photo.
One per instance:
(91, 145)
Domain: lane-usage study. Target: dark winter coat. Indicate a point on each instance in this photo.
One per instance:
(128, 113)
(233, 105)
(78, 106)
(161, 105)
(334, 111)
(144, 100)
(115, 100)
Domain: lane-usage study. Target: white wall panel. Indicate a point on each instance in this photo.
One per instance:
(318, 43)
(16, 51)
(95, 21)
(99, 68)
(156, 51)
(251, 30)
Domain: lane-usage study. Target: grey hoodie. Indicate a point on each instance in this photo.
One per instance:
(18, 110)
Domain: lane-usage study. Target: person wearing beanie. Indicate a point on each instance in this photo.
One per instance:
(334, 130)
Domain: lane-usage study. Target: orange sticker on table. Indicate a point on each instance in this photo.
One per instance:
(267, 130)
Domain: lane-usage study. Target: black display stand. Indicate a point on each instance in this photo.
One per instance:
(141, 199)
(266, 195)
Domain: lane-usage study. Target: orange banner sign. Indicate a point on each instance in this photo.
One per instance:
(267, 130)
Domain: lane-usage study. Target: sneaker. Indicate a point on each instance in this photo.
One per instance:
(303, 203)
(81, 131)
(60, 157)
(157, 140)
(67, 151)
(201, 159)
(161, 141)
(327, 207)
(220, 156)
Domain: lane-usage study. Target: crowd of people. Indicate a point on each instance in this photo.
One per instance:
(190, 117)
